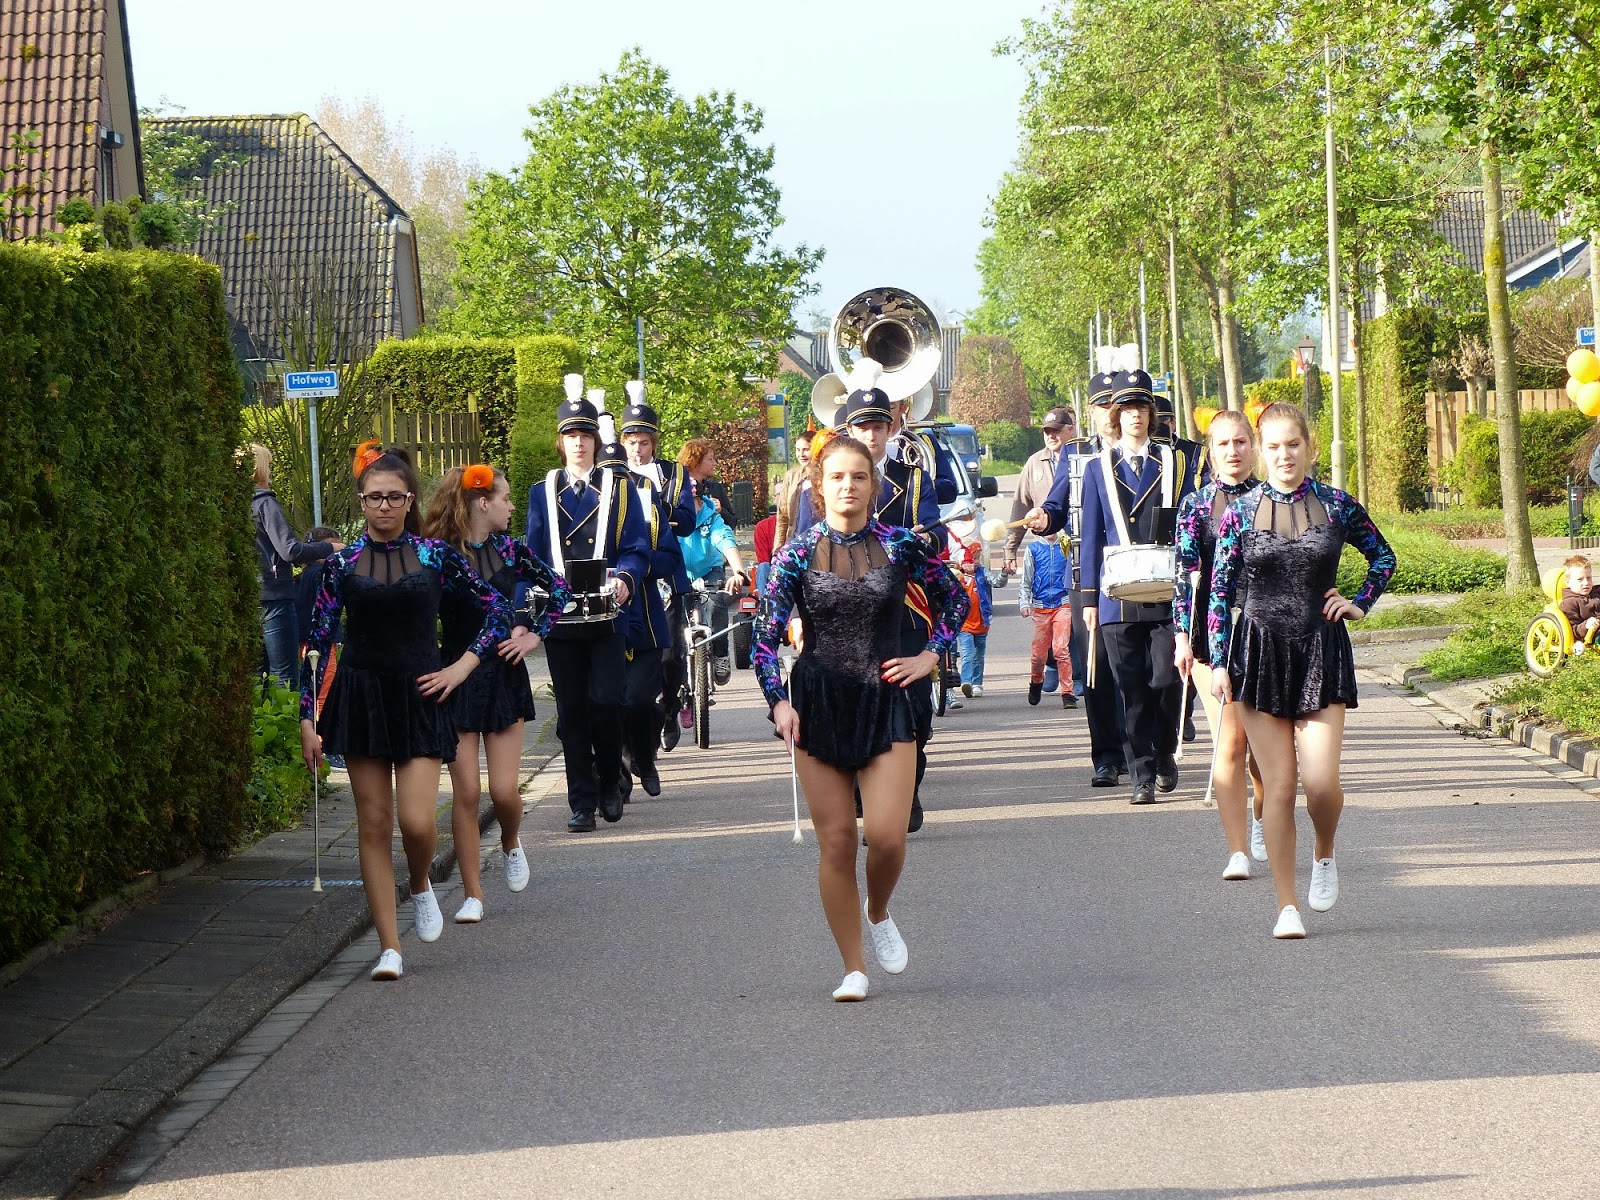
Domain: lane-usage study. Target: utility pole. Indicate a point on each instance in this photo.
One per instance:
(1182, 417)
(1144, 323)
(638, 326)
(1332, 351)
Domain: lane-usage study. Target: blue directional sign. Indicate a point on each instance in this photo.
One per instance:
(302, 385)
(1586, 335)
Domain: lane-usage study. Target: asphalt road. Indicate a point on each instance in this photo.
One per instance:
(1089, 1011)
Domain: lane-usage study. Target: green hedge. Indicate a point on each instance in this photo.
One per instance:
(1010, 442)
(129, 591)
(1426, 563)
(1549, 441)
(540, 364)
(441, 374)
(1396, 351)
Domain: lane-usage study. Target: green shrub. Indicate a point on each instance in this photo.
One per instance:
(1570, 698)
(1489, 643)
(1549, 520)
(1549, 441)
(129, 588)
(280, 786)
(1009, 441)
(1396, 351)
(445, 373)
(1427, 563)
(116, 224)
(541, 362)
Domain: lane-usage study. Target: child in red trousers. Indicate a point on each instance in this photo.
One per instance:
(1042, 597)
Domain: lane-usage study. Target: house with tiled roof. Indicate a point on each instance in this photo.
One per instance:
(1537, 248)
(66, 75)
(297, 215)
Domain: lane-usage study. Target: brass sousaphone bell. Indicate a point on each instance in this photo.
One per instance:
(897, 331)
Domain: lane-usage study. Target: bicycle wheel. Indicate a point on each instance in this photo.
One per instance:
(740, 636)
(941, 689)
(701, 681)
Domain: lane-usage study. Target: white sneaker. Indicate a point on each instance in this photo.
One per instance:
(1238, 866)
(470, 912)
(1258, 840)
(516, 867)
(425, 915)
(389, 966)
(977, 691)
(954, 702)
(854, 987)
(887, 944)
(1289, 923)
(1324, 892)
(722, 669)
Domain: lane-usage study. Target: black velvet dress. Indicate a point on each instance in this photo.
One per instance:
(1286, 658)
(390, 604)
(850, 601)
(498, 693)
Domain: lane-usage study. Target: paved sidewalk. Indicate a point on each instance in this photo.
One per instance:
(96, 1037)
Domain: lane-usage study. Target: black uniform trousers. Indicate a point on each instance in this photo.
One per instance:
(673, 668)
(1102, 704)
(1152, 692)
(586, 673)
(641, 709)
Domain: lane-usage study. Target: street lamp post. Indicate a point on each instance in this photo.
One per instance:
(1332, 353)
(1305, 354)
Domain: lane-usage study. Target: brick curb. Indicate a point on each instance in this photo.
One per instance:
(99, 1127)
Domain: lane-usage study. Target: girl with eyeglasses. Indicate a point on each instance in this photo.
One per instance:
(471, 510)
(386, 709)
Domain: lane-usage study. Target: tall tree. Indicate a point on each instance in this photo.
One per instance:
(638, 203)
(430, 184)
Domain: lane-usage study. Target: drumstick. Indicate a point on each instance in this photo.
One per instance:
(1094, 632)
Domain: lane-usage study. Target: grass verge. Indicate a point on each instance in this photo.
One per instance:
(1569, 699)
(1489, 641)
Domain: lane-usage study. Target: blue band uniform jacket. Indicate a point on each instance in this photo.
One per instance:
(623, 543)
(1141, 497)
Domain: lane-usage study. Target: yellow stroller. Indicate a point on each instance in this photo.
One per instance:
(1549, 640)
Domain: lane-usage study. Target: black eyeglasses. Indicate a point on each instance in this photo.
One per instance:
(384, 499)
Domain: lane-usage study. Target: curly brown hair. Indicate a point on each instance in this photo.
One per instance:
(450, 507)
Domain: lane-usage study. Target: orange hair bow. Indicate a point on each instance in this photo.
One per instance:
(478, 478)
(367, 453)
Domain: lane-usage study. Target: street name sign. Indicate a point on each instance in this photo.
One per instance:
(1586, 335)
(306, 385)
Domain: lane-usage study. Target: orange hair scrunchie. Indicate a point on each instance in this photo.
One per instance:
(367, 453)
(478, 478)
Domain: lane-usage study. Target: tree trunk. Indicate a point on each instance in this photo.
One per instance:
(1479, 387)
(1522, 569)
(1214, 311)
(1232, 365)
(1354, 302)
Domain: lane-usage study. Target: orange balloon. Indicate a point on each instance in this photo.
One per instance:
(1588, 398)
(1583, 366)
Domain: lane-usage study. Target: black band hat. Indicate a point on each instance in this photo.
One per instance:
(576, 415)
(1133, 387)
(613, 458)
(639, 417)
(867, 401)
(1100, 388)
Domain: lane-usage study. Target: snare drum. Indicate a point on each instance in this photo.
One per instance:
(594, 597)
(1139, 574)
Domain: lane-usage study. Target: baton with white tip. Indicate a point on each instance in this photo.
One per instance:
(316, 789)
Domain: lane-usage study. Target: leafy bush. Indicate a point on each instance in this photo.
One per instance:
(1549, 441)
(1426, 563)
(280, 786)
(1490, 643)
(541, 362)
(129, 560)
(1570, 698)
(1010, 442)
(1397, 350)
(452, 374)
(1549, 520)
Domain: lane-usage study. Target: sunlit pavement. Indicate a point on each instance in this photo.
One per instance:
(1089, 1010)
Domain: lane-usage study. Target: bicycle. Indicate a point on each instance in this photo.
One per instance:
(698, 634)
(946, 679)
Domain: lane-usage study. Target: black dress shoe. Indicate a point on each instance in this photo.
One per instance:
(671, 732)
(580, 823)
(916, 816)
(1068, 700)
(611, 802)
(1167, 776)
(650, 782)
(1104, 777)
(1189, 732)
(1143, 793)
(1035, 690)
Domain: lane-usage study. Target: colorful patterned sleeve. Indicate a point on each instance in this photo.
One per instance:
(456, 575)
(1225, 567)
(1190, 515)
(533, 573)
(325, 610)
(947, 600)
(783, 588)
(1360, 531)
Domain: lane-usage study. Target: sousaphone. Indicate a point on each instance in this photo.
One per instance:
(896, 330)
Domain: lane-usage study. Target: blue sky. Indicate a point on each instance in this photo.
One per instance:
(904, 101)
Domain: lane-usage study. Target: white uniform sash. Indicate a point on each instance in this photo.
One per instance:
(1114, 497)
(602, 516)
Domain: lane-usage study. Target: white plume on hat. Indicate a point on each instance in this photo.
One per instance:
(608, 428)
(1105, 360)
(1126, 357)
(574, 385)
(865, 375)
(597, 397)
(635, 390)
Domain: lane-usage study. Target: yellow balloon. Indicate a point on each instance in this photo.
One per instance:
(1572, 388)
(1588, 398)
(1583, 366)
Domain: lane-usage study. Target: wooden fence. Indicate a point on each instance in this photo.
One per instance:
(1447, 417)
(437, 440)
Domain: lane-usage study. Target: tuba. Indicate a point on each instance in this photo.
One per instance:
(896, 330)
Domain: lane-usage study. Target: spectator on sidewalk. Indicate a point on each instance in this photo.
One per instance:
(278, 552)
(764, 538)
(966, 557)
(1042, 596)
(788, 494)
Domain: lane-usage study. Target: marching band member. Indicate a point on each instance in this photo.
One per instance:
(1125, 492)
(917, 449)
(904, 500)
(1166, 431)
(386, 709)
(580, 512)
(847, 713)
(471, 509)
(1231, 447)
(1288, 663)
